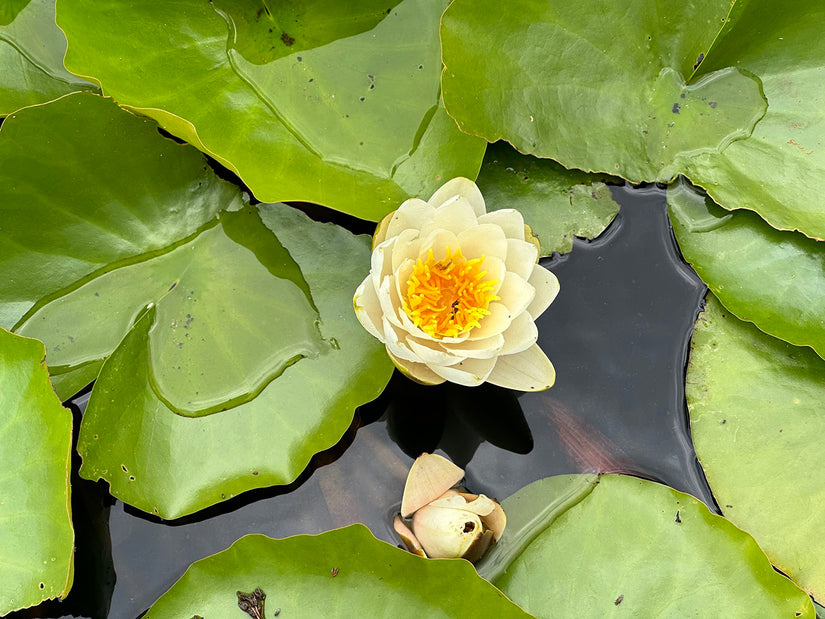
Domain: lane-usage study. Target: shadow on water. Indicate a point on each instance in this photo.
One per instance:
(617, 334)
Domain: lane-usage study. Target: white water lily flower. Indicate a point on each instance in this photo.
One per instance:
(454, 292)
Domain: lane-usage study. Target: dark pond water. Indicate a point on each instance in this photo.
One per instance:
(617, 334)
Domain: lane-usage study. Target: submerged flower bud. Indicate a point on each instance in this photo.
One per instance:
(453, 292)
(446, 523)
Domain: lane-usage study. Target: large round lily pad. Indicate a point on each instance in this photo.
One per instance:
(582, 546)
(757, 424)
(346, 572)
(604, 89)
(171, 465)
(36, 536)
(31, 56)
(347, 115)
(774, 279)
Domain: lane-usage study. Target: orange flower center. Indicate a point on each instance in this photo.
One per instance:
(447, 297)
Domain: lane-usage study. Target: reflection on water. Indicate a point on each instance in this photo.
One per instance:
(617, 334)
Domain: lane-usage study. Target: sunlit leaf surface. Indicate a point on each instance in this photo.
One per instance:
(347, 114)
(340, 573)
(36, 536)
(756, 419)
(774, 279)
(556, 203)
(582, 546)
(601, 88)
(31, 56)
(131, 438)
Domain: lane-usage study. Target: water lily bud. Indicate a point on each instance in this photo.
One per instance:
(446, 523)
(445, 532)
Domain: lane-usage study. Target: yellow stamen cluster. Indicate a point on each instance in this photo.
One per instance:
(447, 297)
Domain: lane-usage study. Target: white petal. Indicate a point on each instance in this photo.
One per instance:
(529, 370)
(380, 234)
(412, 214)
(494, 323)
(516, 293)
(520, 335)
(417, 371)
(486, 348)
(455, 216)
(496, 271)
(508, 219)
(438, 241)
(368, 308)
(396, 344)
(381, 262)
(470, 372)
(406, 246)
(460, 186)
(431, 354)
(486, 240)
(547, 287)
(390, 308)
(401, 277)
(521, 257)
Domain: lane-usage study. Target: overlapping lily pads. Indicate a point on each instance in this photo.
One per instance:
(31, 56)
(779, 171)
(775, 279)
(603, 89)
(584, 546)
(558, 204)
(756, 419)
(77, 205)
(131, 438)
(221, 305)
(730, 95)
(348, 116)
(339, 573)
(36, 536)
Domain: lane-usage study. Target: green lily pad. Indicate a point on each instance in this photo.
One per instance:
(774, 279)
(352, 120)
(580, 546)
(779, 171)
(601, 90)
(338, 573)
(132, 439)
(558, 204)
(756, 420)
(36, 535)
(77, 206)
(31, 56)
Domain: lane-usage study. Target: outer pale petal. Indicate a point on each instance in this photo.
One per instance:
(455, 216)
(486, 348)
(381, 262)
(412, 214)
(520, 335)
(416, 371)
(516, 293)
(509, 220)
(529, 370)
(390, 308)
(495, 272)
(460, 186)
(521, 257)
(485, 240)
(396, 345)
(368, 308)
(470, 372)
(547, 287)
(432, 354)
